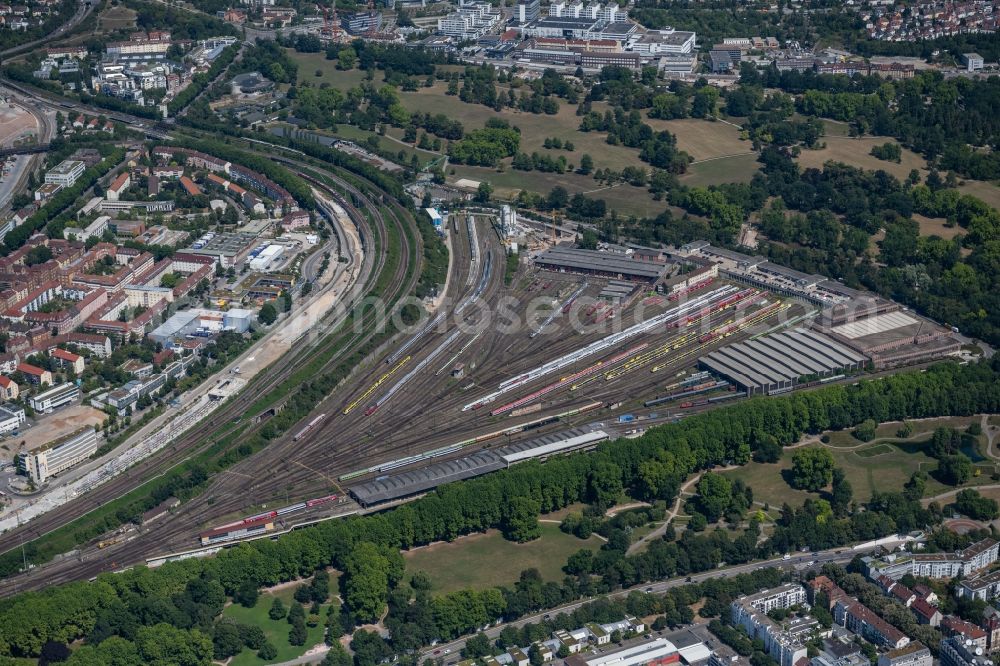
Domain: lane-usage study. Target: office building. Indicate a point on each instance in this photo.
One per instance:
(11, 418)
(59, 455)
(55, 397)
(65, 173)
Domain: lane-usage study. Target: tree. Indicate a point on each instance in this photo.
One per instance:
(768, 450)
(715, 492)
(267, 315)
(337, 656)
(286, 301)
(226, 640)
(247, 594)
(484, 192)
(267, 651)
(586, 164)
(477, 646)
(866, 430)
(298, 634)
(812, 468)
(278, 610)
(54, 652)
(970, 503)
(521, 521)
(842, 493)
(955, 469)
(369, 648)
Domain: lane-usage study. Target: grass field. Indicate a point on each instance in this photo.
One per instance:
(703, 139)
(988, 192)
(735, 169)
(855, 152)
(310, 62)
(485, 560)
(876, 467)
(116, 18)
(935, 226)
(276, 630)
(360, 136)
(625, 199)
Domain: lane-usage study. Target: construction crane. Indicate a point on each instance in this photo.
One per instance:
(331, 28)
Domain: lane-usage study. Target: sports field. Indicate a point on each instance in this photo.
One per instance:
(485, 560)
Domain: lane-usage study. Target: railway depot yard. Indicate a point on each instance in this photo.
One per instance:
(605, 343)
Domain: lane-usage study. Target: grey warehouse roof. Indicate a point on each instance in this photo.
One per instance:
(423, 479)
(780, 359)
(602, 262)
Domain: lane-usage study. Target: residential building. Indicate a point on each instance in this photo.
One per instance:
(118, 186)
(985, 586)
(783, 642)
(965, 562)
(956, 651)
(926, 614)
(9, 390)
(953, 626)
(913, 654)
(35, 375)
(65, 173)
(58, 456)
(11, 418)
(55, 397)
(67, 359)
(861, 620)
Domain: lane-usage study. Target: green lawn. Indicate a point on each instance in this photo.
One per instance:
(878, 466)
(310, 62)
(736, 169)
(486, 560)
(276, 630)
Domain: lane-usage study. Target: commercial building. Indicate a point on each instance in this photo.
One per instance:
(592, 262)
(663, 42)
(228, 249)
(784, 643)
(914, 654)
(58, 456)
(973, 61)
(201, 323)
(11, 418)
(267, 259)
(358, 23)
(55, 397)
(65, 173)
(657, 652)
(566, 27)
(527, 10)
(777, 363)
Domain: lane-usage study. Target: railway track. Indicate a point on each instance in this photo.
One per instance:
(197, 441)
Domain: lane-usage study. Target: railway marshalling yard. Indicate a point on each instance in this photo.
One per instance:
(496, 367)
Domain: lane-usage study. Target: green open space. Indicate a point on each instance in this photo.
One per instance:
(703, 139)
(310, 62)
(487, 560)
(716, 171)
(877, 467)
(275, 630)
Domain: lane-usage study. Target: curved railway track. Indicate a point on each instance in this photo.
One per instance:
(197, 440)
